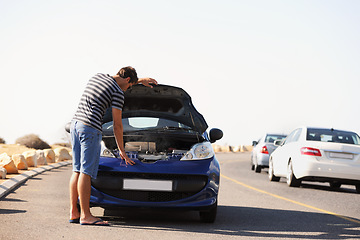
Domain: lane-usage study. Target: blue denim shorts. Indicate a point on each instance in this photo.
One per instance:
(86, 146)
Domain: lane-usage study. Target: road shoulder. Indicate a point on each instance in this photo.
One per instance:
(10, 184)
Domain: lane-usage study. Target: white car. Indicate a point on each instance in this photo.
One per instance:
(262, 149)
(317, 154)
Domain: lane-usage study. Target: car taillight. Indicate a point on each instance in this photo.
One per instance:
(310, 151)
(264, 150)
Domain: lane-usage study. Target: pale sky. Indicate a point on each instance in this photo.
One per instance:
(251, 66)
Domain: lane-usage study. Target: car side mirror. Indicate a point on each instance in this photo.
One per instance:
(215, 134)
(278, 142)
(254, 143)
(67, 127)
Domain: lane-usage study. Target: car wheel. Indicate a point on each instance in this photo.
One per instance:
(210, 215)
(357, 186)
(272, 177)
(257, 168)
(252, 163)
(291, 180)
(335, 185)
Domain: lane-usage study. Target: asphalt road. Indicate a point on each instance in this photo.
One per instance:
(250, 207)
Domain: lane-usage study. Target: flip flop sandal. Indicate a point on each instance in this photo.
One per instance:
(96, 223)
(75, 220)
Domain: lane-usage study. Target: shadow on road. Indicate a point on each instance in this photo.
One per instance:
(345, 188)
(240, 221)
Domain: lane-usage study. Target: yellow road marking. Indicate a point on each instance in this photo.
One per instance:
(289, 200)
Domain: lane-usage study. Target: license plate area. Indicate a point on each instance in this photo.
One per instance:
(148, 185)
(341, 155)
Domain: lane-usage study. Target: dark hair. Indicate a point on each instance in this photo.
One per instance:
(126, 72)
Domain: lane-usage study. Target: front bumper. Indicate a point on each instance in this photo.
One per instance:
(201, 200)
(195, 185)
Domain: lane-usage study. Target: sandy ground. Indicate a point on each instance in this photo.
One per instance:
(11, 149)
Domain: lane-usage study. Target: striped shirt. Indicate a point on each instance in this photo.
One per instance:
(100, 92)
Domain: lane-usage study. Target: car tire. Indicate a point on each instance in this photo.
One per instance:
(357, 186)
(335, 185)
(257, 168)
(252, 162)
(291, 180)
(210, 215)
(272, 177)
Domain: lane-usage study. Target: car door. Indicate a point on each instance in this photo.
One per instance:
(284, 152)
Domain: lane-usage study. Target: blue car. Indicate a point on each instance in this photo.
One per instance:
(175, 165)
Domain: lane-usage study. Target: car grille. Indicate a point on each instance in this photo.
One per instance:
(111, 183)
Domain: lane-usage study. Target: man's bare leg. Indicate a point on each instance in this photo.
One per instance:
(74, 211)
(84, 190)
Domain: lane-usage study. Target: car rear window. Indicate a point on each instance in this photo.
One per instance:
(272, 138)
(332, 135)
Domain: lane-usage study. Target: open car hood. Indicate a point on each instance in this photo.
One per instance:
(162, 101)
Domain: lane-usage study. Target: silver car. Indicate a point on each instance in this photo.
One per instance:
(262, 150)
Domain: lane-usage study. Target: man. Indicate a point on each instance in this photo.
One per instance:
(101, 92)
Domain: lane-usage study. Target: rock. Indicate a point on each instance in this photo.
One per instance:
(62, 154)
(7, 163)
(216, 148)
(30, 158)
(2, 173)
(226, 148)
(40, 157)
(49, 155)
(19, 161)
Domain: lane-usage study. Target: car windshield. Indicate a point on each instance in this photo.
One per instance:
(332, 135)
(272, 138)
(147, 123)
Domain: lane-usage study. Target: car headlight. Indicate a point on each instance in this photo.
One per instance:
(199, 151)
(106, 152)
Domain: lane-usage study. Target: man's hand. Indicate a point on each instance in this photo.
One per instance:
(126, 159)
(147, 81)
(119, 135)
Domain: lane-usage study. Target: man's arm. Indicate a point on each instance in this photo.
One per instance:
(119, 134)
